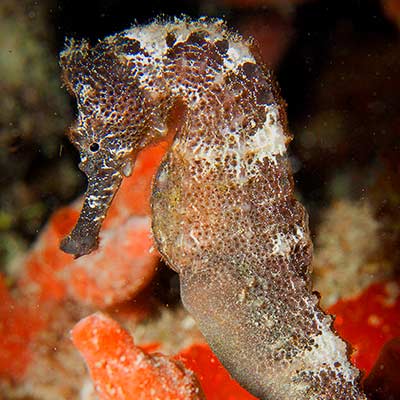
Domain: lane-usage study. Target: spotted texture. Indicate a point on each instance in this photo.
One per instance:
(224, 214)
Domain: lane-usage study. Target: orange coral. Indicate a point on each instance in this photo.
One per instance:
(116, 272)
(214, 378)
(133, 197)
(112, 359)
(40, 269)
(122, 265)
(119, 270)
(369, 321)
(18, 326)
(122, 371)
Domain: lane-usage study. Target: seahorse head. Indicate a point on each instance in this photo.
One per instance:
(117, 117)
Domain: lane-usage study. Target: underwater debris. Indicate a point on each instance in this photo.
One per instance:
(122, 371)
(224, 213)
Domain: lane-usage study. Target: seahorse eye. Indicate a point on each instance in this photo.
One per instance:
(94, 147)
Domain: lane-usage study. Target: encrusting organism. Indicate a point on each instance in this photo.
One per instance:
(223, 211)
(122, 371)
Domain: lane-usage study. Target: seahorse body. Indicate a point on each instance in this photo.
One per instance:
(224, 214)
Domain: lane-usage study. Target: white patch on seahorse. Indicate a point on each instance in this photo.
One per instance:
(94, 201)
(283, 244)
(269, 140)
(237, 54)
(152, 39)
(329, 352)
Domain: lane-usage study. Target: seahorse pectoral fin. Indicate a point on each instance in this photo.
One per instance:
(101, 190)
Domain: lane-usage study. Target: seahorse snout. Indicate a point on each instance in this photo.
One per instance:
(101, 190)
(78, 246)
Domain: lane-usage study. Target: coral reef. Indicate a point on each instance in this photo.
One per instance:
(46, 280)
(369, 327)
(349, 254)
(102, 285)
(170, 330)
(18, 325)
(122, 371)
(215, 380)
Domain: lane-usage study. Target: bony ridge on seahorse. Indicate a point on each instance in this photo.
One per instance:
(224, 214)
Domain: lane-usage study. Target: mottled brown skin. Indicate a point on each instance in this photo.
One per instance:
(115, 121)
(224, 214)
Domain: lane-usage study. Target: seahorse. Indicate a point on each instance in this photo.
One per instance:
(224, 213)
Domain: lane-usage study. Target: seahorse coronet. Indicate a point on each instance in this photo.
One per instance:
(224, 212)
